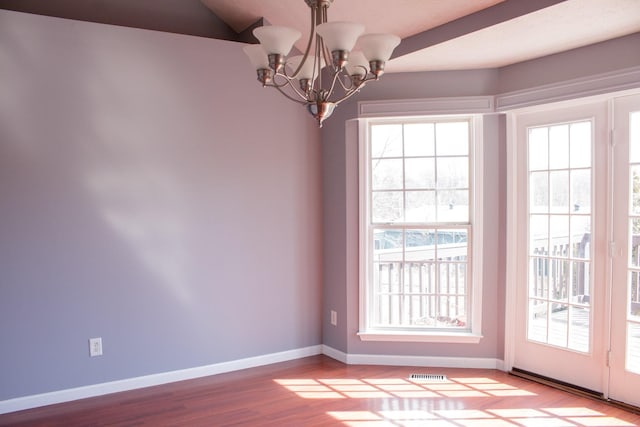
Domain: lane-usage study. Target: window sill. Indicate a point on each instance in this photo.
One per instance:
(407, 336)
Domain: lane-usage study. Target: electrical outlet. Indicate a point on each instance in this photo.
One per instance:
(334, 318)
(95, 347)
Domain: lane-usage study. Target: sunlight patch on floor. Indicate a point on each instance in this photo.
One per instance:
(453, 416)
(527, 417)
(375, 388)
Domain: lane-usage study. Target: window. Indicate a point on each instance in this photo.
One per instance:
(418, 202)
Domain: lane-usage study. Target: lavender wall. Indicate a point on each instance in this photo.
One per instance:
(149, 195)
(599, 58)
(172, 16)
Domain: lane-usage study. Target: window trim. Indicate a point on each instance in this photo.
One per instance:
(366, 333)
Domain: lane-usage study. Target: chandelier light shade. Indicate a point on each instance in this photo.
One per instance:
(340, 35)
(277, 40)
(377, 48)
(329, 71)
(307, 70)
(256, 55)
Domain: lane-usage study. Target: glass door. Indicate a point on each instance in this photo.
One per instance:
(624, 354)
(561, 291)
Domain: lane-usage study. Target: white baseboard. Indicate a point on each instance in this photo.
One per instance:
(426, 361)
(430, 361)
(61, 396)
(335, 354)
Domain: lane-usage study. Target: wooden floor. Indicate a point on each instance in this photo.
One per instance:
(319, 391)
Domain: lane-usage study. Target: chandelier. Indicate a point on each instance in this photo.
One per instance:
(301, 77)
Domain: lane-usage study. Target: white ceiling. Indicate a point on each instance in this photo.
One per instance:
(404, 18)
(562, 26)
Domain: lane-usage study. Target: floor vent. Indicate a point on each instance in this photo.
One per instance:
(428, 377)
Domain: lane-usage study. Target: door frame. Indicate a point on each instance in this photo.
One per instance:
(622, 384)
(575, 363)
(515, 233)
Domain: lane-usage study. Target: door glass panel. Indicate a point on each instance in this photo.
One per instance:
(539, 234)
(632, 359)
(580, 318)
(559, 191)
(580, 278)
(634, 137)
(537, 324)
(559, 147)
(633, 347)
(634, 253)
(539, 277)
(559, 233)
(559, 278)
(580, 236)
(559, 220)
(635, 189)
(634, 297)
(539, 196)
(580, 134)
(581, 191)
(558, 327)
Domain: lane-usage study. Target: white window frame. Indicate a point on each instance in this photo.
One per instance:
(470, 335)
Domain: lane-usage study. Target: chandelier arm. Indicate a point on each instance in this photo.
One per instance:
(346, 89)
(305, 102)
(366, 72)
(283, 73)
(360, 83)
(290, 82)
(350, 93)
(317, 61)
(354, 89)
(312, 35)
(336, 77)
(367, 79)
(276, 85)
(317, 64)
(287, 82)
(325, 51)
